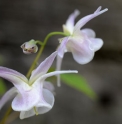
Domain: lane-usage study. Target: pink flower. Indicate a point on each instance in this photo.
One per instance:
(81, 43)
(31, 96)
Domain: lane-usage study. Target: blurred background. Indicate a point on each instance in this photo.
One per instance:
(22, 20)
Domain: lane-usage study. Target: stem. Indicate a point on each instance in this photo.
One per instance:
(41, 50)
(36, 112)
(39, 42)
(6, 115)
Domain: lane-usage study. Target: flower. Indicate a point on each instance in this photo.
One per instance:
(48, 85)
(81, 43)
(30, 95)
(29, 47)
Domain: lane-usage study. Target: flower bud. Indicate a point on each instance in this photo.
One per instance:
(29, 47)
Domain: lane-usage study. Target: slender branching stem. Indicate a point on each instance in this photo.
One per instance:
(41, 50)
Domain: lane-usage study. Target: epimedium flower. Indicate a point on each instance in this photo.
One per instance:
(29, 47)
(31, 96)
(81, 43)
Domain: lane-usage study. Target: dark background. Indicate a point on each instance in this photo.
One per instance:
(22, 20)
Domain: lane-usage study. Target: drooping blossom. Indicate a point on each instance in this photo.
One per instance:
(30, 95)
(82, 43)
(29, 47)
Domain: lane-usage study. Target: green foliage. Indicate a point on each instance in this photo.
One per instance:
(2, 87)
(79, 83)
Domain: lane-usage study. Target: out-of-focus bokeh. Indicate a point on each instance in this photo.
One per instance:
(22, 20)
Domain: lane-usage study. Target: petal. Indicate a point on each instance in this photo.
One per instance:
(48, 85)
(62, 47)
(55, 73)
(58, 68)
(39, 87)
(7, 71)
(26, 114)
(18, 80)
(42, 108)
(81, 50)
(87, 18)
(49, 98)
(96, 43)
(26, 100)
(43, 67)
(7, 96)
(70, 21)
(89, 32)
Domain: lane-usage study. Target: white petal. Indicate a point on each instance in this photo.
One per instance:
(42, 108)
(49, 98)
(89, 32)
(48, 85)
(7, 96)
(38, 85)
(18, 80)
(26, 114)
(7, 71)
(43, 67)
(26, 100)
(56, 73)
(62, 47)
(81, 57)
(70, 21)
(96, 43)
(81, 50)
(87, 18)
(58, 68)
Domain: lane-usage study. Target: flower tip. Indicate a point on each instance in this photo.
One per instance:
(76, 12)
(106, 9)
(58, 85)
(73, 71)
(76, 71)
(102, 11)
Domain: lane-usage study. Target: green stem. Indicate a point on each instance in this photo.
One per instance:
(41, 50)
(6, 115)
(39, 42)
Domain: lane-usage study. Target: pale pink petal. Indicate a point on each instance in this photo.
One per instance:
(81, 50)
(40, 108)
(18, 80)
(43, 77)
(62, 47)
(26, 114)
(7, 71)
(43, 67)
(46, 98)
(70, 21)
(88, 32)
(48, 85)
(58, 68)
(49, 98)
(87, 18)
(38, 85)
(96, 43)
(26, 100)
(7, 96)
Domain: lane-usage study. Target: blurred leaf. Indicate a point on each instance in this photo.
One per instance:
(2, 87)
(51, 69)
(79, 83)
(52, 78)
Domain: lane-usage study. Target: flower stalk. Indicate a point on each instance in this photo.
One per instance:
(41, 50)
